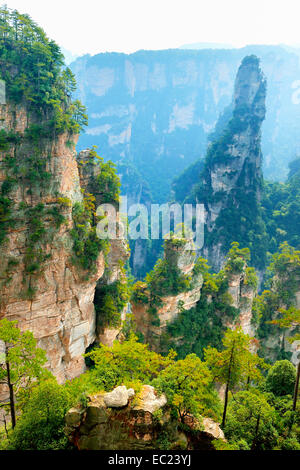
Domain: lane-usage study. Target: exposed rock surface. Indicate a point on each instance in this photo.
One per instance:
(148, 400)
(194, 87)
(119, 251)
(242, 298)
(61, 312)
(118, 397)
(232, 177)
(183, 257)
(101, 426)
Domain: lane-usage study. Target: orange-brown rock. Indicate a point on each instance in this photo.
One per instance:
(61, 313)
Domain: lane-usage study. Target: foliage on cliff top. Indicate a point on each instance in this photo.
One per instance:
(187, 384)
(281, 209)
(280, 295)
(33, 69)
(205, 324)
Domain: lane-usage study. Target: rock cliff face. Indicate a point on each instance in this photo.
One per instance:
(118, 252)
(276, 343)
(122, 420)
(190, 318)
(231, 181)
(242, 298)
(40, 286)
(169, 306)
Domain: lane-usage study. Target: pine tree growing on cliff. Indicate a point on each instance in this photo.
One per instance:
(20, 363)
(291, 318)
(235, 364)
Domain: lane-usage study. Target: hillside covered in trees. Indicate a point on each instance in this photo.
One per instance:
(189, 357)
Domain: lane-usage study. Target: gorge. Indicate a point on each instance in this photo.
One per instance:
(172, 352)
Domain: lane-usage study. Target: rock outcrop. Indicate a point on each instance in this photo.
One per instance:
(125, 93)
(40, 285)
(182, 257)
(242, 295)
(130, 423)
(119, 251)
(231, 181)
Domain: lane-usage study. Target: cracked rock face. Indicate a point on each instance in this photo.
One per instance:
(118, 397)
(61, 314)
(103, 426)
(231, 181)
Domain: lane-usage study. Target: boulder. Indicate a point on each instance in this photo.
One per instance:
(212, 428)
(118, 397)
(148, 400)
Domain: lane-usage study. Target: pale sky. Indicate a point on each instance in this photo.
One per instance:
(92, 26)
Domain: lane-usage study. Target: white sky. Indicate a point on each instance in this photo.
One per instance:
(92, 26)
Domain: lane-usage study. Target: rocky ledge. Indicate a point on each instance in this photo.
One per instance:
(125, 420)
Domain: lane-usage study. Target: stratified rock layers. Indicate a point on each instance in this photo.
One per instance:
(129, 423)
(232, 177)
(61, 312)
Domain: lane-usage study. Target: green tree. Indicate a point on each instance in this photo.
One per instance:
(127, 363)
(291, 318)
(251, 419)
(21, 361)
(187, 384)
(281, 378)
(41, 424)
(235, 364)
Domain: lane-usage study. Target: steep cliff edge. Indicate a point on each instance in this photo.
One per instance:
(51, 258)
(173, 285)
(40, 286)
(230, 185)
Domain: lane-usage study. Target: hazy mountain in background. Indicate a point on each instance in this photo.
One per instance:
(69, 56)
(156, 109)
(207, 45)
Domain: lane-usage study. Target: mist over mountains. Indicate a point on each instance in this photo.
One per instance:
(155, 110)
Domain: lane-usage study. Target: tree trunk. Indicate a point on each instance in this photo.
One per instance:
(11, 397)
(296, 387)
(227, 386)
(256, 432)
(225, 405)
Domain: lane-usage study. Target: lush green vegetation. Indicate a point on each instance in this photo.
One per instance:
(204, 325)
(280, 292)
(21, 363)
(281, 378)
(110, 300)
(106, 186)
(281, 206)
(86, 244)
(38, 94)
(235, 365)
(256, 418)
(32, 67)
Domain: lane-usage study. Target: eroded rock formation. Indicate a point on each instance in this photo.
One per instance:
(130, 423)
(230, 185)
(180, 256)
(41, 287)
